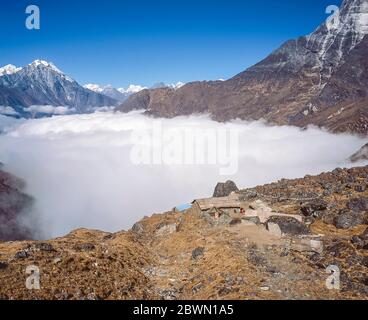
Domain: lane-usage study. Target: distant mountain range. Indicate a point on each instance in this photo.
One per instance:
(121, 94)
(41, 89)
(319, 79)
(42, 86)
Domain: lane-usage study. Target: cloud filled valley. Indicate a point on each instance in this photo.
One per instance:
(80, 172)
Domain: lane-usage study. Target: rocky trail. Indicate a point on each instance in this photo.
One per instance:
(208, 254)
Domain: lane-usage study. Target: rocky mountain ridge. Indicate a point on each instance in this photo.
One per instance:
(14, 209)
(119, 94)
(42, 83)
(318, 79)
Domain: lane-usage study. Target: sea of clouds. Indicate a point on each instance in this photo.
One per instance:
(79, 168)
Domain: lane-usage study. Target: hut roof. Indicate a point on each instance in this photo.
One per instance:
(231, 201)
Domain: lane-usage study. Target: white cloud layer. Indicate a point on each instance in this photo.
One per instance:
(47, 109)
(79, 170)
(7, 111)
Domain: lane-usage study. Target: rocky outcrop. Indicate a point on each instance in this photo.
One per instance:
(348, 219)
(361, 241)
(225, 189)
(14, 208)
(289, 226)
(360, 155)
(317, 79)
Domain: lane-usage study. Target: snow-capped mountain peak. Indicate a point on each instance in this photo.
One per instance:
(120, 94)
(131, 89)
(9, 69)
(177, 85)
(42, 64)
(174, 86)
(46, 64)
(41, 83)
(355, 16)
(333, 41)
(94, 87)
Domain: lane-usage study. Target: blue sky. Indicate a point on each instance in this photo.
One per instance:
(143, 42)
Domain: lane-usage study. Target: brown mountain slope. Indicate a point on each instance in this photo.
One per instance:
(360, 155)
(317, 79)
(191, 255)
(14, 207)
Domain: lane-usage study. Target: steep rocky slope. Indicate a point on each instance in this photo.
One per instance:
(188, 255)
(317, 79)
(14, 207)
(361, 154)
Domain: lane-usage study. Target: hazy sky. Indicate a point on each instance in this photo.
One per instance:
(121, 42)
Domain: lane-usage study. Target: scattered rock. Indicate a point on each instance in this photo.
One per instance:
(198, 253)
(274, 229)
(339, 249)
(289, 225)
(225, 189)
(235, 222)
(22, 254)
(46, 247)
(92, 297)
(248, 195)
(138, 228)
(254, 220)
(361, 241)
(84, 247)
(108, 237)
(360, 188)
(197, 287)
(224, 291)
(358, 205)
(257, 258)
(348, 219)
(313, 208)
(169, 294)
(307, 244)
(265, 288)
(365, 261)
(328, 217)
(3, 265)
(57, 260)
(165, 229)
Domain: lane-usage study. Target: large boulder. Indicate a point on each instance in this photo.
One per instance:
(198, 253)
(314, 208)
(288, 225)
(225, 189)
(348, 219)
(361, 241)
(358, 205)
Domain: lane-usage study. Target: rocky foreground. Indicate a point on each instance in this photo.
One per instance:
(186, 255)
